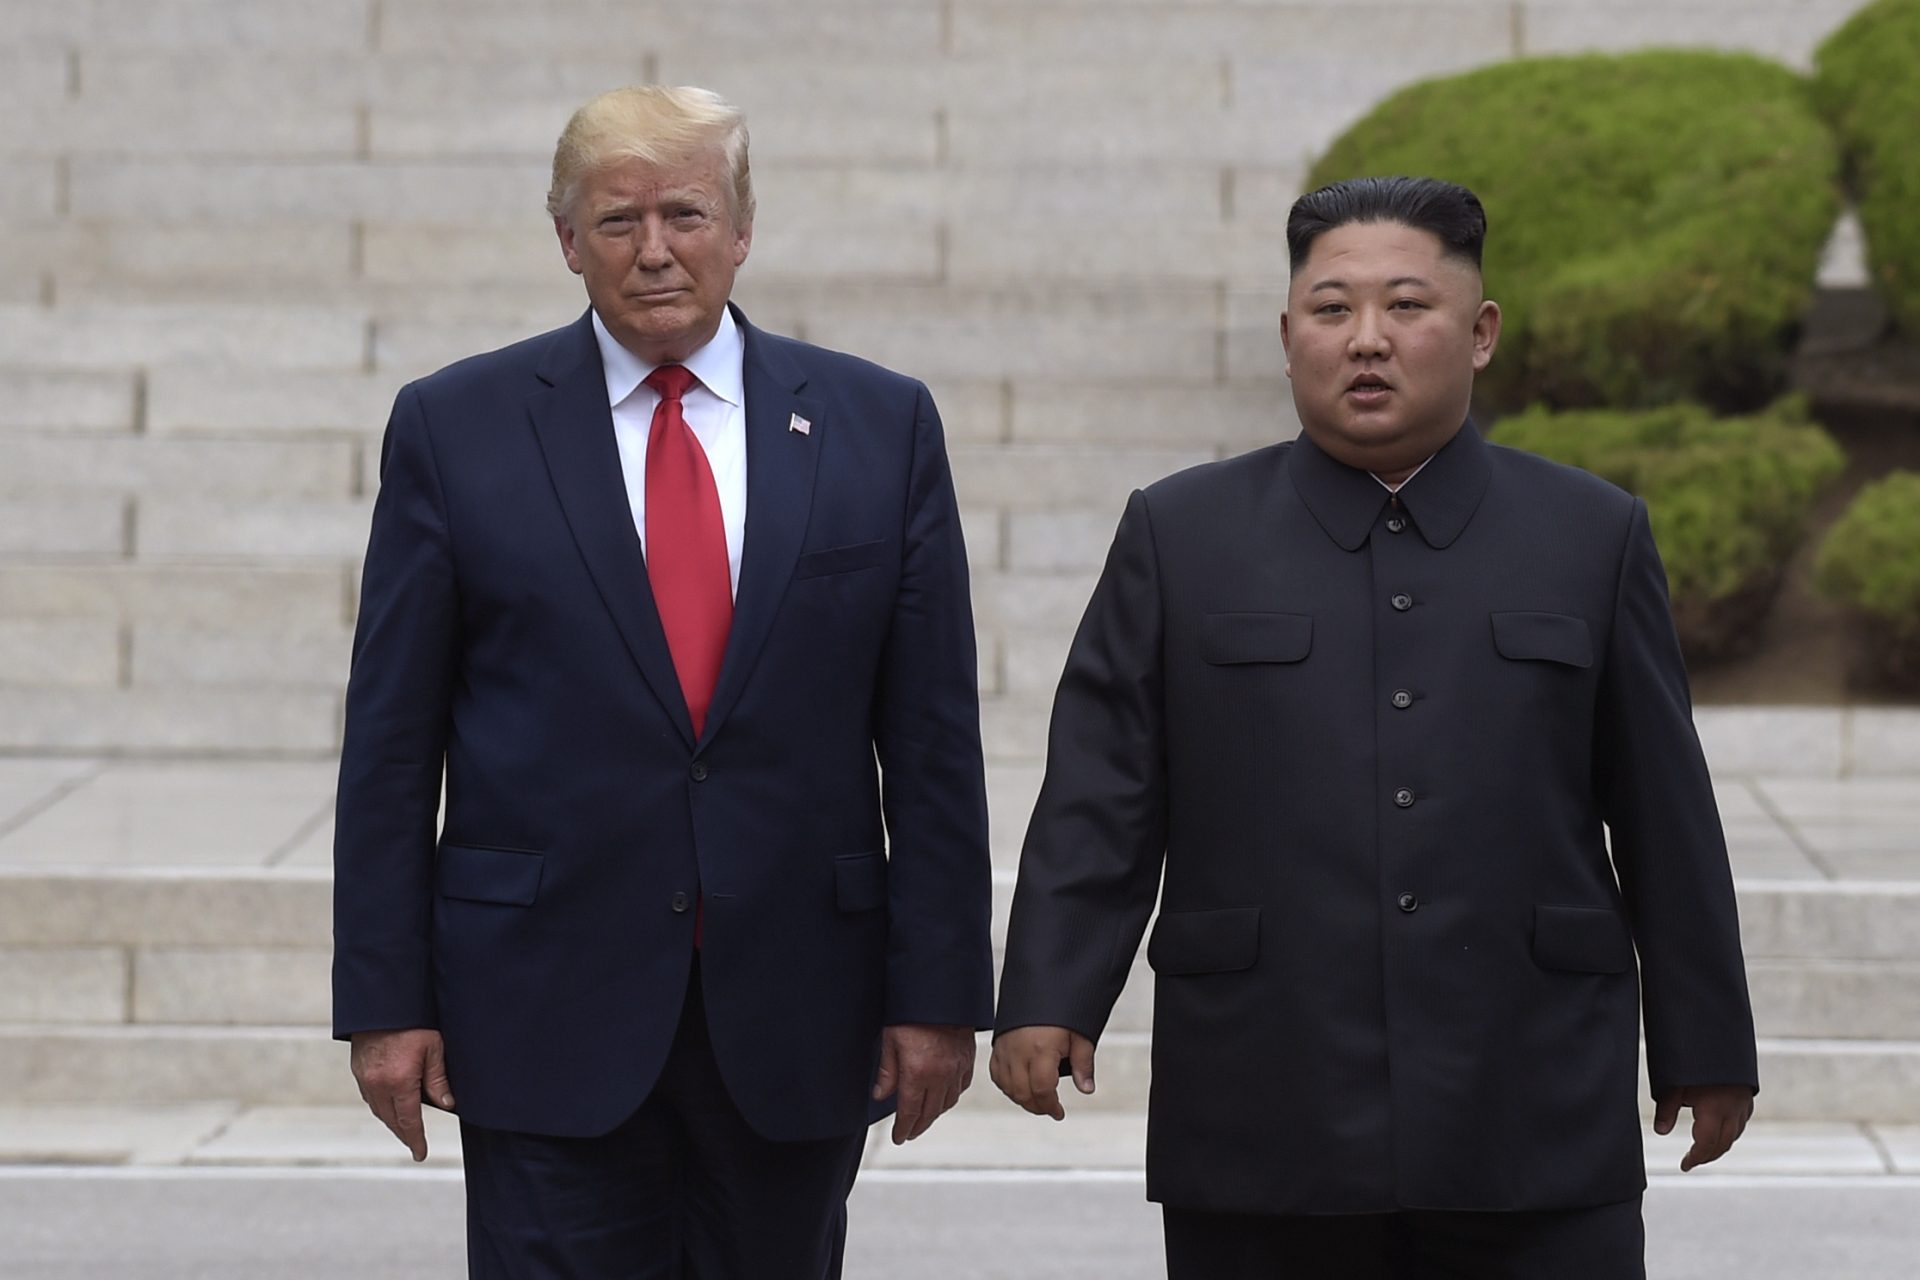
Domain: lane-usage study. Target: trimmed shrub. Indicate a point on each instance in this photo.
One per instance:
(1728, 499)
(1868, 82)
(1871, 562)
(1656, 219)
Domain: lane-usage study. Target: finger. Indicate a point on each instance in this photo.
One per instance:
(906, 1119)
(1666, 1110)
(407, 1125)
(887, 1080)
(1081, 1056)
(437, 1086)
(1043, 1086)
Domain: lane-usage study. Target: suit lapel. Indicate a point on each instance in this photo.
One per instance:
(575, 428)
(780, 471)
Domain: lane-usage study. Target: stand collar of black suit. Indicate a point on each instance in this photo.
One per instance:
(1347, 501)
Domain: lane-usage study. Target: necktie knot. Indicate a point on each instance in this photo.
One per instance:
(671, 380)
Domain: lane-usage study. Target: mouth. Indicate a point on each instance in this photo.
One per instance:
(656, 295)
(1369, 389)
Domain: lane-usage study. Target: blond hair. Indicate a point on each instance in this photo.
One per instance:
(659, 125)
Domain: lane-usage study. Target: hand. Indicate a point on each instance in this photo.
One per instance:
(1720, 1115)
(395, 1070)
(929, 1067)
(1026, 1065)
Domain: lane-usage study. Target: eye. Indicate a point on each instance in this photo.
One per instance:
(1330, 309)
(617, 221)
(1409, 304)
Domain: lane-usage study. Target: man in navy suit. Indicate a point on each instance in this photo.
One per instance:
(679, 609)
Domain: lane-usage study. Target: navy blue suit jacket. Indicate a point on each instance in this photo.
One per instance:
(833, 813)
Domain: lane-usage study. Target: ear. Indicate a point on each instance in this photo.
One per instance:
(1486, 334)
(1286, 343)
(742, 242)
(564, 229)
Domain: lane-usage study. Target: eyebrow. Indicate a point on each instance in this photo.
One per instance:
(1397, 282)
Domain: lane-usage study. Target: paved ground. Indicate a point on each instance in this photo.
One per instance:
(321, 1225)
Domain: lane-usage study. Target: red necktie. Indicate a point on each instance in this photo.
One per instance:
(686, 545)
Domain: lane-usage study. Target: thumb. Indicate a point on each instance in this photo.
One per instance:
(1666, 1110)
(435, 1081)
(1080, 1057)
(883, 1084)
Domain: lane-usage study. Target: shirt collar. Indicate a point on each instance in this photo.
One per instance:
(1395, 488)
(717, 365)
(1346, 501)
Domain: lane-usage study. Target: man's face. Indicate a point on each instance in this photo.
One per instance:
(1384, 331)
(658, 249)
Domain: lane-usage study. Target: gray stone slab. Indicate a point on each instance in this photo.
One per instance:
(1885, 740)
(1843, 265)
(1788, 30)
(1040, 196)
(496, 27)
(280, 657)
(1876, 864)
(1775, 741)
(64, 526)
(29, 783)
(165, 908)
(1009, 1138)
(1056, 476)
(81, 1134)
(264, 469)
(1764, 850)
(246, 190)
(1251, 335)
(1846, 999)
(258, 260)
(1826, 920)
(972, 410)
(243, 594)
(290, 336)
(1771, 1148)
(1419, 34)
(47, 400)
(141, 1065)
(259, 402)
(173, 814)
(341, 1135)
(1231, 418)
(1034, 661)
(264, 529)
(29, 187)
(1012, 788)
(1013, 729)
(1901, 1142)
(1045, 602)
(1828, 800)
(1049, 541)
(1866, 1080)
(63, 984)
(232, 986)
(178, 123)
(213, 24)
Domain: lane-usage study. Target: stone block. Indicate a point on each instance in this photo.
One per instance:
(1054, 476)
(240, 595)
(1902, 1143)
(289, 336)
(1008, 1138)
(1013, 728)
(1106, 251)
(63, 526)
(1860, 1080)
(1778, 741)
(249, 190)
(1231, 418)
(1396, 32)
(233, 986)
(828, 31)
(63, 984)
(180, 121)
(33, 77)
(29, 187)
(1035, 660)
(1050, 541)
(972, 411)
(166, 525)
(405, 342)
(1772, 1148)
(981, 527)
(1310, 98)
(78, 1133)
(229, 401)
(1025, 196)
(49, 400)
(1883, 740)
(181, 469)
(1811, 920)
(256, 261)
(1787, 30)
(146, 1064)
(176, 814)
(166, 907)
(347, 1135)
(267, 657)
(1843, 265)
(30, 783)
(1252, 335)
(986, 649)
(849, 250)
(1263, 196)
(43, 22)
(1047, 602)
(293, 25)
(167, 720)
(524, 248)
(1841, 999)
(59, 651)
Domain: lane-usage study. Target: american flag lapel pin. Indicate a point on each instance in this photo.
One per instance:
(799, 425)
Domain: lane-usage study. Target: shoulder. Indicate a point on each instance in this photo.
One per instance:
(1210, 485)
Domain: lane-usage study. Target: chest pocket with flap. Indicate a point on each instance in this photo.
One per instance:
(1238, 639)
(1543, 637)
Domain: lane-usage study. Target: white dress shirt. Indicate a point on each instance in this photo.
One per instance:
(1395, 488)
(716, 411)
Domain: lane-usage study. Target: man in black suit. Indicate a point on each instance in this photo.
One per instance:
(680, 608)
(1373, 700)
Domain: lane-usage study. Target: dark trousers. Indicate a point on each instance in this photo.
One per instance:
(1607, 1242)
(683, 1190)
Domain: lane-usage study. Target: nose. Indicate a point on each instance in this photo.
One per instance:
(1369, 339)
(652, 250)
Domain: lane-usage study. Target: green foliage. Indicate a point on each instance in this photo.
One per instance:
(1868, 83)
(1871, 558)
(1655, 220)
(1728, 498)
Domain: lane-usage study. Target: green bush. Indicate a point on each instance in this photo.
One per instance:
(1868, 83)
(1656, 219)
(1728, 498)
(1871, 561)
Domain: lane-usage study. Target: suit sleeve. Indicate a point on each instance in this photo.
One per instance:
(1668, 847)
(933, 782)
(393, 754)
(1090, 868)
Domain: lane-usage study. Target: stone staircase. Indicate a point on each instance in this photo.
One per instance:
(229, 231)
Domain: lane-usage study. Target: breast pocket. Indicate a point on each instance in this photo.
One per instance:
(848, 559)
(1543, 637)
(473, 873)
(1244, 639)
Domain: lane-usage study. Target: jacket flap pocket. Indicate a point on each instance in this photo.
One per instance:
(1545, 637)
(860, 881)
(1227, 639)
(861, 555)
(1581, 939)
(1205, 941)
(507, 876)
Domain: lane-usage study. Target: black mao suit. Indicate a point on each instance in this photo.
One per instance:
(1376, 746)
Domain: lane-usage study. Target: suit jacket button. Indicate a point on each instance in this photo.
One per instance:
(1403, 602)
(1403, 798)
(681, 902)
(1402, 699)
(1408, 903)
(699, 771)
(1396, 524)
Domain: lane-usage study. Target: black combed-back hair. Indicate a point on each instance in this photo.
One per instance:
(1448, 210)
